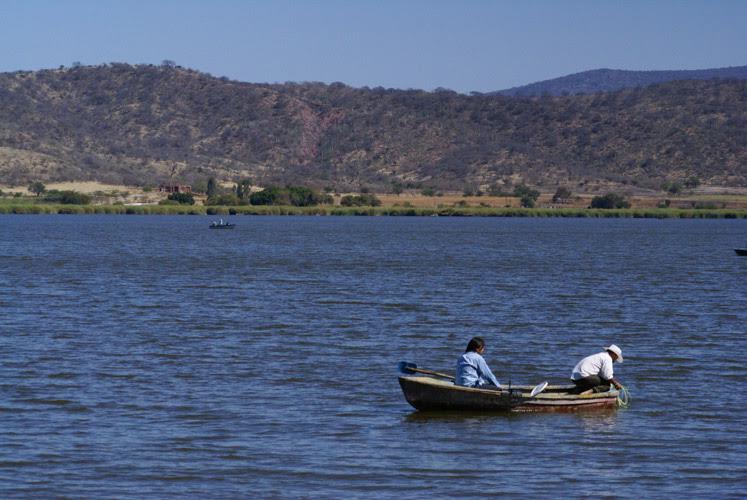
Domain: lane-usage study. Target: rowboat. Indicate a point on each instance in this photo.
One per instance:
(741, 251)
(427, 393)
(222, 225)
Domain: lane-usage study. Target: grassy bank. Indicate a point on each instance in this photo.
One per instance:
(52, 208)
(655, 213)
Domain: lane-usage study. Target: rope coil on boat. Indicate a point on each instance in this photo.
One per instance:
(623, 398)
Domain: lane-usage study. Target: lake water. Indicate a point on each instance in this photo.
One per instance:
(148, 356)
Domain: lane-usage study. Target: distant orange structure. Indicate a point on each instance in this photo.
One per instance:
(174, 188)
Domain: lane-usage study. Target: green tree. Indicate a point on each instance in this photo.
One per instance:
(562, 194)
(300, 196)
(212, 187)
(271, 195)
(182, 198)
(200, 186)
(609, 200)
(37, 188)
(67, 197)
(672, 187)
(528, 195)
(244, 188)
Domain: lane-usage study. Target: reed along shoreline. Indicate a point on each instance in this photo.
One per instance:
(642, 213)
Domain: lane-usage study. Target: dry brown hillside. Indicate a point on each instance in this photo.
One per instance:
(142, 125)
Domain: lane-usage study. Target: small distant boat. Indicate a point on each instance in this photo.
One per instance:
(741, 251)
(427, 393)
(221, 225)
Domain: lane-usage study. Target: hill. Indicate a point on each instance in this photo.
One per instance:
(141, 125)
(607, 80)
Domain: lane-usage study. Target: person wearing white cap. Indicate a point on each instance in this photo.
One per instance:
(595, 371)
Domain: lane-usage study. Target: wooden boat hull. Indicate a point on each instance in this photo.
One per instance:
(741, 251)
(225, 226)
(426, 393)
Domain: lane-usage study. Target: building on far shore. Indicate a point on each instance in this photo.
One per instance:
(174, 188)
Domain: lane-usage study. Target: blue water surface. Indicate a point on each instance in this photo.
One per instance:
(148, 356)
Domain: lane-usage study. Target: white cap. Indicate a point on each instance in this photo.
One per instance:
(617, 351)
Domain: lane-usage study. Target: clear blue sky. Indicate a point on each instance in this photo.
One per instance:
(463, 45)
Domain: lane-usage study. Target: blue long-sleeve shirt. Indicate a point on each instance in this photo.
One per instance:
(473, 371)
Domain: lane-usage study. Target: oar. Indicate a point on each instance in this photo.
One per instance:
(538, 388)
(535, 390)
(411, 368)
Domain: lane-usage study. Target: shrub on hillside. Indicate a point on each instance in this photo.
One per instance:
(360, 201)
(562, 195)
(297, 196)
(528, 195)
(305, 197)
(609, 200)
(37, 188)
(182, 198)
(67, 197)
(672, 187)
(271, 195)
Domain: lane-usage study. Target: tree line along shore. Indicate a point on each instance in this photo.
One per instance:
(242, 198)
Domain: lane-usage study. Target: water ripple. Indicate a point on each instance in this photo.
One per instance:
(148, 357)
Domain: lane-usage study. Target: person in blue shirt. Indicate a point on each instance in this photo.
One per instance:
(472, 370)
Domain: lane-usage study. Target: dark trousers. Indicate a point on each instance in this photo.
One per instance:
(593, 382)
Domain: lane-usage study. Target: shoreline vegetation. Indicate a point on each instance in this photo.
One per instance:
(327, 210)
(244, 198)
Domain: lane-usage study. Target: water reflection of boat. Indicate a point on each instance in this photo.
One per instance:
(221, 225)
(426, 393)
(741, 251)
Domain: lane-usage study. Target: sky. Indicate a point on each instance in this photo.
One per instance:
(463, 45)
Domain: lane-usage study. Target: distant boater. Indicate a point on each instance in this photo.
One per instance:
(595, 371)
